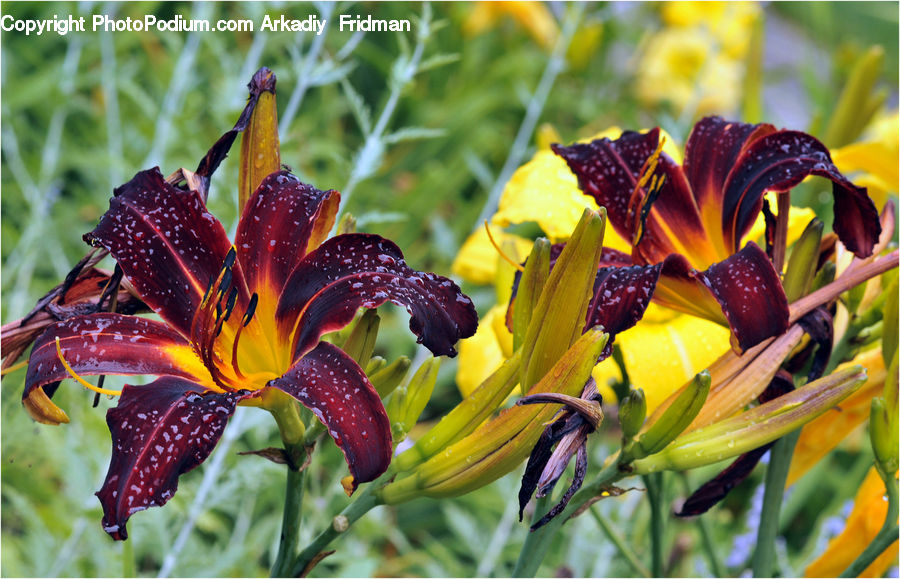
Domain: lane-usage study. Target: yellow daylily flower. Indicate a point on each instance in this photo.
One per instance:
(864, 522)
(697, 60)
(875, 158)
(483, 353)
(825, 433)
(663, 352)
(476, 261)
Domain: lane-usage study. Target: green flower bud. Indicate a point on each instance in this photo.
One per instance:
(558, 318)
(801, 267)
(673, 421)
(754, 428)
(632, 412)
(407, 402)
(361, 342)
(883, 438)
(858, 101)
(388, 378)
(531, 284)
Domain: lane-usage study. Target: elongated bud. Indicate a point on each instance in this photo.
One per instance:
(883, 438)
(531, 284)
(801, 267)
(465, 417)
(501, 444)
(858, 101)
(890, 335)
(756, 427)
(825, 276)
(559, 316)
(632, 412)
(375, 364)
(388, 378)
(674, 420)
(260, 151)
(407, 402)
(361, 342)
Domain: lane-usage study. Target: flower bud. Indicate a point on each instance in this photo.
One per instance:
(801, 267)
(260, 154)
(858, 101)
(537, 269)
(756, 427)
(407, 402)
(883, 438)
(499, 445)
(673, 421)
(388, 378)
(465, 417)
(559, 316)
(632, 412)
(361, 342)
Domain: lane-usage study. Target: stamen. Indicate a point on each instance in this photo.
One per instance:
(79, 379)
(13, 368)
(500, 251)
(229, 305)
(639, 206)
(248, 315)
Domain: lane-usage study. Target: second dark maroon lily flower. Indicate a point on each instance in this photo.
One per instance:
(237, 322)
(688, 231)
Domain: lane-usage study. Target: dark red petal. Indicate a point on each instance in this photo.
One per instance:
(159, 431)
(109, 343)
(348, 272)
(750, 294)
(709, 156)
(276, 228)
(609, 171)
(621, 296)
(166, 242)
(334, 387)
(780, 161)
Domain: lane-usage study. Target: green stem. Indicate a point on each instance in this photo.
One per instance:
(776, 475)
(705, 536)
(366, 501)
(128, 559)
(290, 522)
(885, 537)
(286, 412)
(620, 544)
(535, 548)
(655, 488)
(537, 542)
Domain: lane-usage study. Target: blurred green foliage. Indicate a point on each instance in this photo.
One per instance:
(84, 112)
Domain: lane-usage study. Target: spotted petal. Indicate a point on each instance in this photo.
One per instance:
(159, 431)
(166, 242)
(348, 272)
(334, 387)
(282, 221)
(106, 343)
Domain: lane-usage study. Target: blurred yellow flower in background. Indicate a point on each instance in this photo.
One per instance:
(864, 522)
(534, 17)
(874, 156)
(697, 62)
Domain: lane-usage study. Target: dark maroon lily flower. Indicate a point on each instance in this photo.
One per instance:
(688, 231)
(237, 321)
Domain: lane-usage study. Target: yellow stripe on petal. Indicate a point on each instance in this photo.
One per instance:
(187, 361)
(864, 522)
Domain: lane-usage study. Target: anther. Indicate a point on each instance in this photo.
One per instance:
(251, 308)
(230, 257)
(229, 305)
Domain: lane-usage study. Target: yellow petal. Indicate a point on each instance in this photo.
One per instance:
(876, 161)
(476, 261)
(864, 522)
(534, 17)
(826, 432)
(664, 351)
(481, 354)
